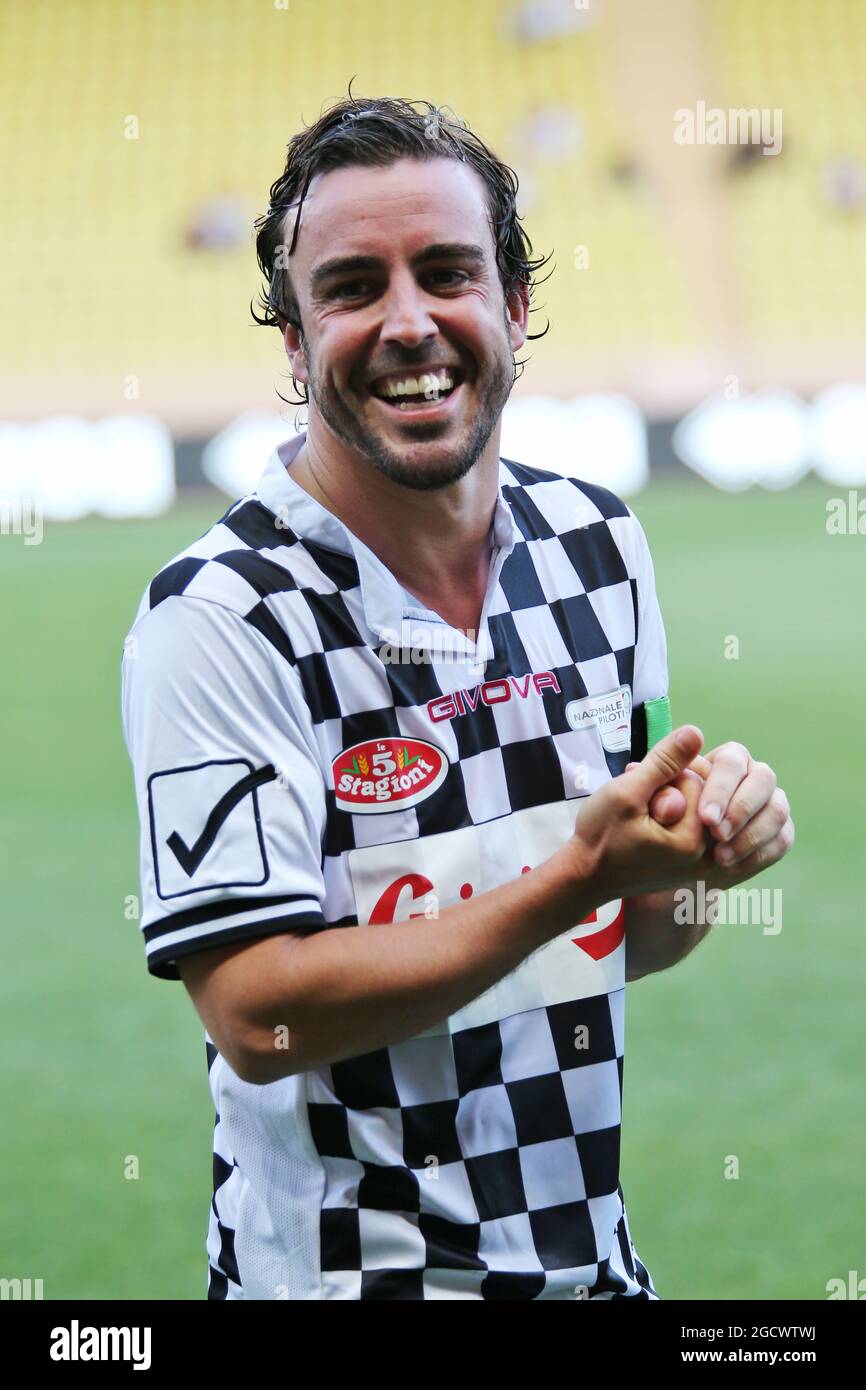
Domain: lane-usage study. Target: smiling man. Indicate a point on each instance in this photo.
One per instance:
(405, 894)
(407, 346)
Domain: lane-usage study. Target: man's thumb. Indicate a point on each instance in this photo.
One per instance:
(667, 759)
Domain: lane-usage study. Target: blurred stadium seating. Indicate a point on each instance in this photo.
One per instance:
(697, 266)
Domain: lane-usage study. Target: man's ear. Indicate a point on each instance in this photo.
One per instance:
(517, 315)
(295, 351)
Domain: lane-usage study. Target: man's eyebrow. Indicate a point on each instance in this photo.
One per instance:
(440, 250)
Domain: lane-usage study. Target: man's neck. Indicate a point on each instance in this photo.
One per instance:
(436, 543)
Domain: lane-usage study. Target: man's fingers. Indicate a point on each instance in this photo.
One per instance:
(757, 791)
(667, 759)
(761, 858)
(702, 766)
(730, 764)
(668, 806)
(759, 831)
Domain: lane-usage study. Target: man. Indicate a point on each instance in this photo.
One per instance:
(389, 722)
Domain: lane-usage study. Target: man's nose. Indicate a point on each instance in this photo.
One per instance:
(406, 311)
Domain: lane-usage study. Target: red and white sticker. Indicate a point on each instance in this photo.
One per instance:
(387, 774)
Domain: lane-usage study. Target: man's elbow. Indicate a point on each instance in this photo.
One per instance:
(653, 953)
(635, 974)
(261, 1058)
(641, 972)
(248, 1069)
(232, 989)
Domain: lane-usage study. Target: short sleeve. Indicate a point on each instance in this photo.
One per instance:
(230, 789)
(651, 657)
(651, 653)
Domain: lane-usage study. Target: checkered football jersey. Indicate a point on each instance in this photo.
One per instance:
(313, 748)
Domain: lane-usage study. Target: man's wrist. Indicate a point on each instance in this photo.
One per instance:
(571, 886)
(655, 939)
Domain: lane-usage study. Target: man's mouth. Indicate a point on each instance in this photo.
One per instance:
(411, 394)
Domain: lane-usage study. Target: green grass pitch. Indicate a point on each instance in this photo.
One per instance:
(751, 1048)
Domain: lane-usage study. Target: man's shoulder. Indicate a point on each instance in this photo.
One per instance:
(585, 517)
(208, 616)
(520, 479)
(247, 555)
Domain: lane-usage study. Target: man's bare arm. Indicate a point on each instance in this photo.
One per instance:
(654, 940)
(345, 991)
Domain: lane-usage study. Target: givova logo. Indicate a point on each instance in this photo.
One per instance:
(76, 1343)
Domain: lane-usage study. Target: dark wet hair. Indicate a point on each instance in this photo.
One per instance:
(375, 132)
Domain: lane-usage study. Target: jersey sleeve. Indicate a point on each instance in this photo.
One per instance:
(651, 656)
(230, 789)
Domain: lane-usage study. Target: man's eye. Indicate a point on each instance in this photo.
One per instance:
(350, 286)
(355, 289)
(459, 273)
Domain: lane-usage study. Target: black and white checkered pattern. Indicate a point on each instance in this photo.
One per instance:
(481, 1158)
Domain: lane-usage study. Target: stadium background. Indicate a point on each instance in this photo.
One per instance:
(706, 358)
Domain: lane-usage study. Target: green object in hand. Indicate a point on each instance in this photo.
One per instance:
(658, 720)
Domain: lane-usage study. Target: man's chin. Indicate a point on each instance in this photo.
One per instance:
(429, 456)
(424, 474)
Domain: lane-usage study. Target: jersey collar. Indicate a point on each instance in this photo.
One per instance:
(391, 612)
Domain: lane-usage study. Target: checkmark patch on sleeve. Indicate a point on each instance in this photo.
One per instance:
(205, 826)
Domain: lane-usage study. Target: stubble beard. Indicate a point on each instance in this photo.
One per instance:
(454, 461)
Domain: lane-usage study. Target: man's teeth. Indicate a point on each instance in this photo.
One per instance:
(430, 384)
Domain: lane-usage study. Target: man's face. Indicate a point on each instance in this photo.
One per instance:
(426, 297)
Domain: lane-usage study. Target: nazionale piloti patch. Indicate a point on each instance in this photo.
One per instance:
(610, 713)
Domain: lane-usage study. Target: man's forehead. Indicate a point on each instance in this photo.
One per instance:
(358, 209)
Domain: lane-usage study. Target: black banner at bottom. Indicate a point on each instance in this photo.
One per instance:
(63, 1338)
